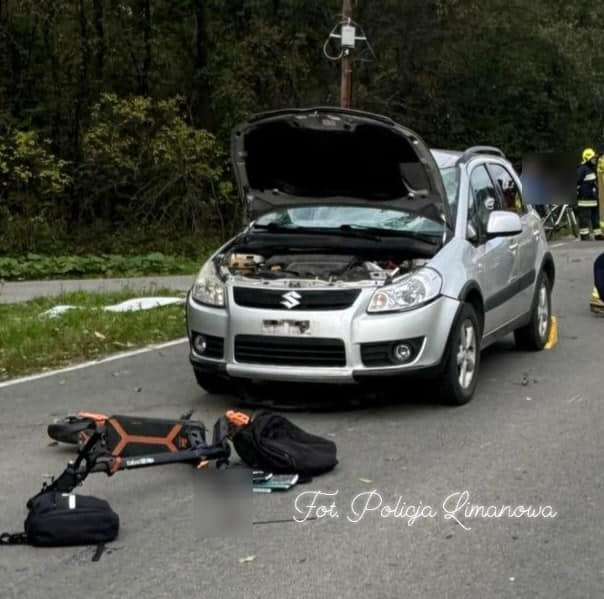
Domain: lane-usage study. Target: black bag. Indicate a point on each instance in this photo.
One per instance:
(56, 519)
(271, 442)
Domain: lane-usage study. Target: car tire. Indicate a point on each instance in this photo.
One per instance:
(462, 361)
(534, 335)
(213, 383)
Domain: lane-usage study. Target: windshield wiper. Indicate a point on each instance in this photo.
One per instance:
(344, 231)
(431, 239)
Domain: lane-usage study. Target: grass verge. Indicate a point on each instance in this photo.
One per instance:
(30, 343)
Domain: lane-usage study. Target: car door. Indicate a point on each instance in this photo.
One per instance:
(493, 260)
(523, 274)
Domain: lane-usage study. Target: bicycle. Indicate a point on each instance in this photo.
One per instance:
(559, 217)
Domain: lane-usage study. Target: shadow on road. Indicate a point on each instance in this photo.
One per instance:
(316, 397)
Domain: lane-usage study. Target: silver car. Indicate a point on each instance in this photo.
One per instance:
(367, 256)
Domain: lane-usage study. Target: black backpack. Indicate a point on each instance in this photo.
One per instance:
(271, 442)
(56, 519)
(68, 519)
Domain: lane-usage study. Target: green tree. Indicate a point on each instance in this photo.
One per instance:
(33, 183)
(147, 165)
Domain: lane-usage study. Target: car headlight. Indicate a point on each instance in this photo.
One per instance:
(208, 288)
(410, 291)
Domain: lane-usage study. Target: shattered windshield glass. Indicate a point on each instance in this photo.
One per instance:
(334, 217)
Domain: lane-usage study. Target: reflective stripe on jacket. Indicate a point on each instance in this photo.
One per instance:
(587, 203)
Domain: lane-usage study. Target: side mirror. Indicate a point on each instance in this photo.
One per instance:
(503, 224)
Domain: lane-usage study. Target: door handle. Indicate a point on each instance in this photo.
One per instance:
(513, 247)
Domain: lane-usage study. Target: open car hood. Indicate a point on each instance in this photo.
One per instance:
(300, 157)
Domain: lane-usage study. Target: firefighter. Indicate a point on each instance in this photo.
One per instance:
(587, 196)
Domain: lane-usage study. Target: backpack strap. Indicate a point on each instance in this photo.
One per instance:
(13, 538)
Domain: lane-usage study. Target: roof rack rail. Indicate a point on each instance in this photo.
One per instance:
(467, 154)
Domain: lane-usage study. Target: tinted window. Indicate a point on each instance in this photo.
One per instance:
(508, 190)
(484, 195)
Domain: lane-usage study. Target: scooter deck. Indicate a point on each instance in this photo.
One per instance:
(128, 436)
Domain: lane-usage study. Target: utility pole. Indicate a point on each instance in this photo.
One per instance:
(346, 75)
(347, 33)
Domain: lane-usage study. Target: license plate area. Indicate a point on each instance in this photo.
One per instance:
(288, 327)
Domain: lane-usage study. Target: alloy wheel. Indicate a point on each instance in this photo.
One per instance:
(466, 354)
(542, 311)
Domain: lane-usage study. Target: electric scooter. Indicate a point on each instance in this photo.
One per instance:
(112, 443)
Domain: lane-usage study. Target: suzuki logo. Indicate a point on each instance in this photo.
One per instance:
(291, 299)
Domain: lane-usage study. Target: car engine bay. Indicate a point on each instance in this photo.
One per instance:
(313, 269)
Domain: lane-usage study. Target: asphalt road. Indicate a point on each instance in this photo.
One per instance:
(25, 290)
(541, 444)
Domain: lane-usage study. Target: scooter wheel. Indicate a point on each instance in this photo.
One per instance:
(69, 428)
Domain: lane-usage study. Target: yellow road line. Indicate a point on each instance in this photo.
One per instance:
(553, 333)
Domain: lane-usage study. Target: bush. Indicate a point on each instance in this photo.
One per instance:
(143, 163)
(35, 266)
(33, 183)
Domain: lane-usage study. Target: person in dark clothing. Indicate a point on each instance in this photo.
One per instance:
(533, 188)
(596, 304)
(587, 196)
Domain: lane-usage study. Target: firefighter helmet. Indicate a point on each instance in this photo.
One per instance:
(588, 154)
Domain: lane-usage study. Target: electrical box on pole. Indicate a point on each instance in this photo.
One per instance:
(344, 36)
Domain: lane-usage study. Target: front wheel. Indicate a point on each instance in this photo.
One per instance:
(462, 359)
(534, 335)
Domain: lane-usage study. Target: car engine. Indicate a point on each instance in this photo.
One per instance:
(326, 268)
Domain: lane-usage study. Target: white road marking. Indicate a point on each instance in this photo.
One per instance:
(127, 354)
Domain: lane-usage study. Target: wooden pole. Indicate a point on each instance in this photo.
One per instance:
(346, 74)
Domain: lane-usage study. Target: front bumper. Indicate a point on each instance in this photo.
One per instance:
(354, 326)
